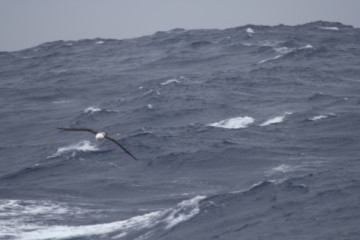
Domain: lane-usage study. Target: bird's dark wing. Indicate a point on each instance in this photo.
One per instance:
(123, 148)
(79, 129)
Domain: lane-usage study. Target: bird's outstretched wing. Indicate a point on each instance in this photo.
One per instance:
(79, 130)
(123, 148)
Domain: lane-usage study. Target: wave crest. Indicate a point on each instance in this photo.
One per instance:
(142, 226)
(275, 120)
(233, 123)
(82, 146)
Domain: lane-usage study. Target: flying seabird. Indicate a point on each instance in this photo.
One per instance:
(100, 136)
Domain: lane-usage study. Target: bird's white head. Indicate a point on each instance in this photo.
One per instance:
(100, 136)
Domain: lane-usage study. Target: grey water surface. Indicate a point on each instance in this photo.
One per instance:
(243, 133)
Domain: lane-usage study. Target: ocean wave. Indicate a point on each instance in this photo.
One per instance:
(288, 168)
(249, 31)
(321, 97)
(322, 117)
(275, 120)
(241, 213)
(32, 169)
(287, 52)
(270, 59)
(284, 168)
(203, 137)
(62, 101)
(264, 191)
(92, 110)
(293, 200)
(307, 46)
(82, 146)
(316, 118)
(119, 229)
(280, 51)
(233, 123)
(330, 28)
(142, 226)
(170, 81)
(30, 209)
(200, 44)
(17, 216)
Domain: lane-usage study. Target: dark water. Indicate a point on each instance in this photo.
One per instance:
(243, 133)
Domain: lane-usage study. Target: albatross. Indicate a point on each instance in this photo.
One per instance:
(100, 136)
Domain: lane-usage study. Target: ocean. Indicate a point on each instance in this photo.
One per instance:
(242, 133)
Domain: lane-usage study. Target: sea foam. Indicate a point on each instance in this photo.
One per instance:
(82, 146)
(249, 31)
(316, 118)
(170, 81)
(146, 223)
(274, 120)
(19, 216)
(330, 28)
(92, 110)
(233, 123)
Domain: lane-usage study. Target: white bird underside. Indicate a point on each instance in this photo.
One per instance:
(100, 136)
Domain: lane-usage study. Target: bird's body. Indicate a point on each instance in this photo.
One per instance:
(100, 136)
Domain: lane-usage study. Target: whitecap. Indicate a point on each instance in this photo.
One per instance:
(148, 92)
(99, 42)
(170, 81)
(66, 232)
(281, 51)
(167, 218)
(284, 168)
(269, 59)
(247, 44)
(18, 216)
(233, 123)
(330, 28)
(316, 118)
(82, 146)
(250, 31)
(185, 211)
(258, 184)
(150, 106)
(274, 120)
(308, 46)
(92, 110)
(30, 208)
